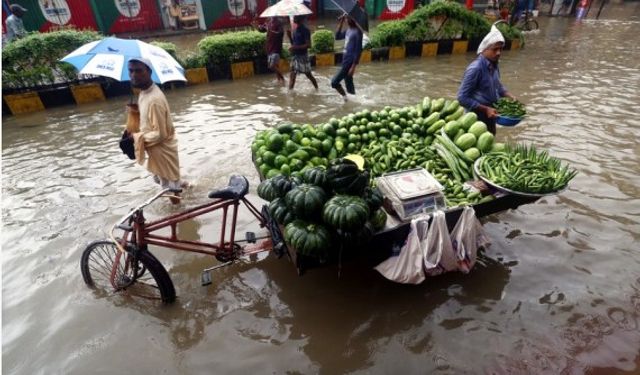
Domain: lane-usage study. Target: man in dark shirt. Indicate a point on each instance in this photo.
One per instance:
(350, 58)
(275, 34)
(300, 43)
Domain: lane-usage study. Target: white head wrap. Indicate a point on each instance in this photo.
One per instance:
(490, 39)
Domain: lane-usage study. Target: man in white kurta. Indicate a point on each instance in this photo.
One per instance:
(156, 139)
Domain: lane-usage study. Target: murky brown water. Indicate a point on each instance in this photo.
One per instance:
(559, 293)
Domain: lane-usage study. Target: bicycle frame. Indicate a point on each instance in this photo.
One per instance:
(143, 233)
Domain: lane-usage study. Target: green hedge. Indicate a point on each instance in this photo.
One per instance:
(388, 34)
(229, 47)
(417, 26)
(33, 60)
(167, 46)
(322, 41)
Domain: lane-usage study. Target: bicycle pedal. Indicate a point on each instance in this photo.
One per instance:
(205, 278)
(250, 237)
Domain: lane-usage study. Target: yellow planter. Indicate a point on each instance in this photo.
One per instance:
(325, 59)
(396, 53)
(365, 57)
(242, 70)
(196, 75)
(24, 103)
(87, 93)
(460, 47)
(283, 65)
(429, 49)
(515, 43)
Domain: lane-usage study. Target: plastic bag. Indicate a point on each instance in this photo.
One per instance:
(406, 268)
(467, 236)
(438, 255)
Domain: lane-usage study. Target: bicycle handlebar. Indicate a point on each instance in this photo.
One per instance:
(132, 212)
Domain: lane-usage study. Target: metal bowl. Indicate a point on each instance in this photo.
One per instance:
(508, 121)
(476, 171)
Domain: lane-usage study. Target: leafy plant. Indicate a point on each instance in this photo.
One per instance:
(34, 60)
(452, 29)
(167, 46)
(422, 21)
(322, 41)
(225, 48)
(194, 60)
(509, 32)
(390, 33)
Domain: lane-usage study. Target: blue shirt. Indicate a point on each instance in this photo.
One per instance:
(300, 36)
(480, 84)
(352, 45)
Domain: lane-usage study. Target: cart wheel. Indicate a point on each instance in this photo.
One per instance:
(106, 269)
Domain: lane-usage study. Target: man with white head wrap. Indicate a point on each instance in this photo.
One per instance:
(481, 86)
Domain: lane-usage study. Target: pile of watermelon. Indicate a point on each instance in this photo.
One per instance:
(434, 134)
(325, 207)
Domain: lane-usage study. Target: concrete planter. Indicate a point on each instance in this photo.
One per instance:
(473, 44)
(196, 76)
(397, 53)
(365, 57)
(24, 103)
(460, 47)
(283, 65)
(445, 46)
(429, 49)
(515, 43)
(241, 70)
(413, 49)
(325, 59)
(87, 93)
(379, 54)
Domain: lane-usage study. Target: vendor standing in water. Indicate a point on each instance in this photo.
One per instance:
(481, 86)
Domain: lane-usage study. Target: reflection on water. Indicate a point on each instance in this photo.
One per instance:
(557, 291)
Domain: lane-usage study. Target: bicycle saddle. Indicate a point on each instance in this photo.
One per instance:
(237, 188)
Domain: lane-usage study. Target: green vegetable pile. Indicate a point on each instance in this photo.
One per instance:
(523, 169)
(510, 108)
(434, 134)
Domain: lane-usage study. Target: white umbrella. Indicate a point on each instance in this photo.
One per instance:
(286, 8)
(109, 58)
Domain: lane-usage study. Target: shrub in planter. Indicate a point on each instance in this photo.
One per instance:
(194, 60)
(510, 32)
(169, 47)
(422, 19)
(322, 41)
(452, 29)
(33, 60)
(221, 49)
(389, 34)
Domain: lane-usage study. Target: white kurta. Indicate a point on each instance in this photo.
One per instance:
(157, 135)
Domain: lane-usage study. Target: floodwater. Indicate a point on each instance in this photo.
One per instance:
(558, 290)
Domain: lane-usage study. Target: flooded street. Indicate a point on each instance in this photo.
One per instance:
(558, 291)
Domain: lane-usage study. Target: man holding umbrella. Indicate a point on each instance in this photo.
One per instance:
(157, 135)
(350, 58)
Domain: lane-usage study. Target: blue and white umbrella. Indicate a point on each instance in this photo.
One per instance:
(109, 57)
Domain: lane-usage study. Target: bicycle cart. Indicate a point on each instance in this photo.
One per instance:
(125, 264)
